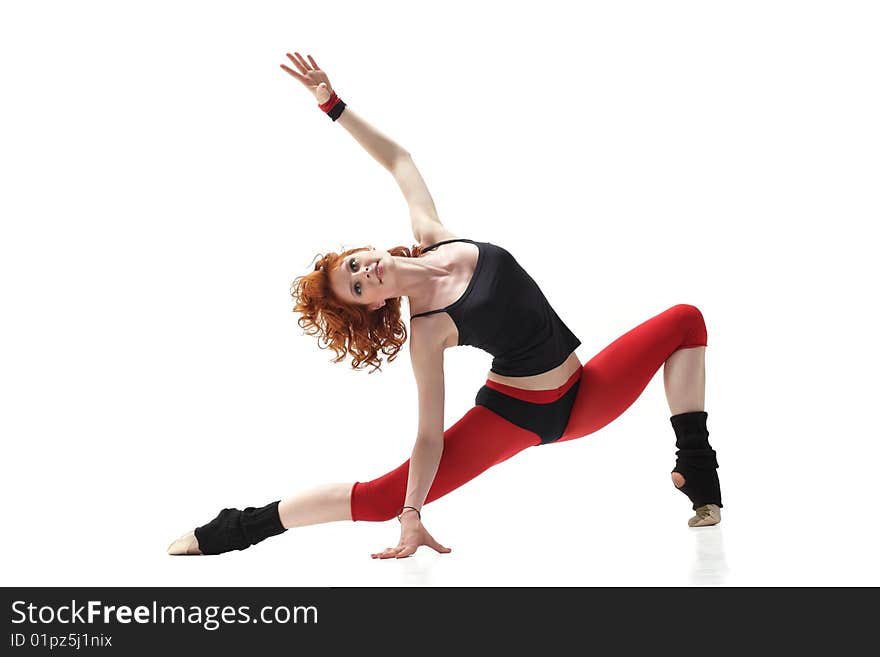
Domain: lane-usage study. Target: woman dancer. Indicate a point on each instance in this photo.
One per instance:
(537, 391)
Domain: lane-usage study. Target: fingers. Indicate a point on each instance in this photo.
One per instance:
(430, 541)
(296, 63)
(293, 73)
(399, 552)
(405, 552)
(402, 552)
(409, 544)
(387, 553)
(301, 63)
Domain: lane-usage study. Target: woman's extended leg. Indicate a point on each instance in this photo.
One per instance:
(475, 443)
(325, 503)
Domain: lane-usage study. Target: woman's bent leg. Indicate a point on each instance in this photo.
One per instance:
(684, 378)
(615, 377)
(472, 445)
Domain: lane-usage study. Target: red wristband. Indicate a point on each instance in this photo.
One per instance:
(325, 107)
(333, 107)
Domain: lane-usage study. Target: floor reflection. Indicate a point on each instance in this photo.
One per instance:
(709, 566)
(417, 569)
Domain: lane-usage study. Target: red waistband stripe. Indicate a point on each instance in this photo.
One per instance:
(536, 396)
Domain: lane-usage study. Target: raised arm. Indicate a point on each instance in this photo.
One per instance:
(383, 149)
(426, 225)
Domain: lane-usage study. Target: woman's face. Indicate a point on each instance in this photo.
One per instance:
(357, 281)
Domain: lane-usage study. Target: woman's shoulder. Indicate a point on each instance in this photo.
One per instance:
(438, 235)
(431, 332)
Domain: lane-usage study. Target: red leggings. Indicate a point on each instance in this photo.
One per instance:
(609, 384)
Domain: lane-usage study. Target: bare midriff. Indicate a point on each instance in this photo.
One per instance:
(544, 381)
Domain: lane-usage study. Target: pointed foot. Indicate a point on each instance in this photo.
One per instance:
(187, 545)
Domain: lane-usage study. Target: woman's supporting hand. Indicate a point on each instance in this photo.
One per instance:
(412, 535)
(311, 75)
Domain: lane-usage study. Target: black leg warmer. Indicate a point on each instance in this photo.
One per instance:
(695, 459)
(236, 530)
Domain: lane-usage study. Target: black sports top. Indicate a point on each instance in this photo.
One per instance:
(504, 312)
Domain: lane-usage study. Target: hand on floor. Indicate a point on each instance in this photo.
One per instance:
(412, 535)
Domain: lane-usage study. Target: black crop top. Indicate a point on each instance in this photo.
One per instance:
(504, 312)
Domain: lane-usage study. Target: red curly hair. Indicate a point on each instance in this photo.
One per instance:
(344, 327)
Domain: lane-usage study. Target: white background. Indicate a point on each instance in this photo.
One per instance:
(164, 181)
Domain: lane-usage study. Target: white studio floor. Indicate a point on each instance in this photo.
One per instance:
(572, 534)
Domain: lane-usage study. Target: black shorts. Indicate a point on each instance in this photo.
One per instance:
(546, 419)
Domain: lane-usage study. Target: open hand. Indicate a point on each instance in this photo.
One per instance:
(412, 535)
(311, 75)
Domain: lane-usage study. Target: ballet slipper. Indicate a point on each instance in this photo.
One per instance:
(186, 545)
(707, 515)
